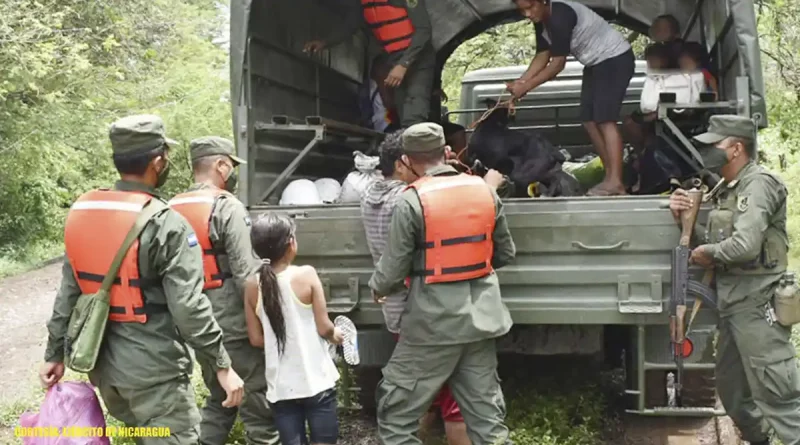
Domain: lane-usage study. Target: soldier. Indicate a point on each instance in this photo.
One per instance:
(222, 225)
(403, 30)
(144, 365)
(454, 312)
(746, 243)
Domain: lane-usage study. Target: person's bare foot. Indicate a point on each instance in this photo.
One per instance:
(607, 189)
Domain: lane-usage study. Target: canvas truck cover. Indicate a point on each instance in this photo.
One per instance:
(451, 18)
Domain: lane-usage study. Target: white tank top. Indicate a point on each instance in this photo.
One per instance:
(305, 368)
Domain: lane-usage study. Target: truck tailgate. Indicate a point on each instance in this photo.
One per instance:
(579, 260)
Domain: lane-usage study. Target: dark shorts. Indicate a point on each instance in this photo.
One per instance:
(604, 87)
(320, 413)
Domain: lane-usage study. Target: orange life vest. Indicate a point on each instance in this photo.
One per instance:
(390, 24)
(459, 215)
(96, 225)
(197, 207)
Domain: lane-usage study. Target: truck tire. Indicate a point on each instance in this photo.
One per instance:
(367, 379)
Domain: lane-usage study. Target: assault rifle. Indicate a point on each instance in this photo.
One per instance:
(680, 287)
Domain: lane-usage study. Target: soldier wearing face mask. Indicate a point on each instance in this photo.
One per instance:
(222, 225)
(745, 241)
(156, 304)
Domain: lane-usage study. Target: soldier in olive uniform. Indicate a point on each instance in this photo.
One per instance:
(403, 30)
(226, 225)
(746, 243)
(449, 328)
(143, 369)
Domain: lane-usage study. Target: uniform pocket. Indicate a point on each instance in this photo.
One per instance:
(777, 374)
(391, 394)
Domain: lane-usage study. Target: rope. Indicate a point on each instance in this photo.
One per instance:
(498, 103)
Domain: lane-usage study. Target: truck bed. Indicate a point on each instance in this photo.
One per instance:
(585, 261)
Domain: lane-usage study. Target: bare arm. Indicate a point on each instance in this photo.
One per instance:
(255, 332)
(539, 62)
(318, 303)
(552, 69)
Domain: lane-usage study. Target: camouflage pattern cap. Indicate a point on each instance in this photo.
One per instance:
(723, 126)
(139, 133)
(423, 138)
(211, 146)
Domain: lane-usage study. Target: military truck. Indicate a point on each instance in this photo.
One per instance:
(592, 275)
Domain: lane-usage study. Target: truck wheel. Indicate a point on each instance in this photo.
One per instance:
(367, 379)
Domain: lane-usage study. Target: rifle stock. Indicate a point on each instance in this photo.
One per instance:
(680, 281)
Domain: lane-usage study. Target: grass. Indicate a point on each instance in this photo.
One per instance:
(14, 262)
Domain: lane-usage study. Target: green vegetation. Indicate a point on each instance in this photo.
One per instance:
(69, 68)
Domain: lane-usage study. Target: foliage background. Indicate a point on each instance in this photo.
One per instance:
(68, 69)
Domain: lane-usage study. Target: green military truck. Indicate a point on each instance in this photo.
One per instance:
(592, 275)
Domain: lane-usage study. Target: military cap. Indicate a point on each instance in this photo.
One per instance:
(139, 133)
(423, 138)
(211, 146)
(723, 126)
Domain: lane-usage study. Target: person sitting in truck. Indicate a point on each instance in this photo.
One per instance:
(639, 127)
(403, 29)
(565, 27)
(454, 312)
(693, 58)
(666, 29)
(377, 207)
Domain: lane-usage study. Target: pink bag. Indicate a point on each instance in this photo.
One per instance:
(71, 413)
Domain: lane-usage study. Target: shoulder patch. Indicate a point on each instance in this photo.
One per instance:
(742, 203)
(412, 3)
(192, 239)
(248, 221)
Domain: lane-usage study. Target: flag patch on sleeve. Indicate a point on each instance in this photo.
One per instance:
(192, 239)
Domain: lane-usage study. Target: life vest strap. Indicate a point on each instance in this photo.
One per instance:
(459, 240)
(397, 39)
(148, 309)
(136, 282)
(452, 270)
(389, 22)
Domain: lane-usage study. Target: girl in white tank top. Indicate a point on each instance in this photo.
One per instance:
(289, 319)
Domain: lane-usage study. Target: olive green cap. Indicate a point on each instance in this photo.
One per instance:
(139, 133)
(423, 138)
(212, 146)
(723, 126)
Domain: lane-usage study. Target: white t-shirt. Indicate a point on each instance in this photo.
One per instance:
(306, 368)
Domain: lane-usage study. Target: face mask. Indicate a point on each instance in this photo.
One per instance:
(232, 181)
(714, 159)
(163, 175)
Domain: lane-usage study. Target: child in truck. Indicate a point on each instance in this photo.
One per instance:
(639, 126)
(692, 59)
(289, 319)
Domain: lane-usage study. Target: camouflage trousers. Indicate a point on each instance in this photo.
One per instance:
(170, 404)
(415, 375)
(217, 422)
(757, 378)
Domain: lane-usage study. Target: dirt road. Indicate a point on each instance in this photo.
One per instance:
(27, 304)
